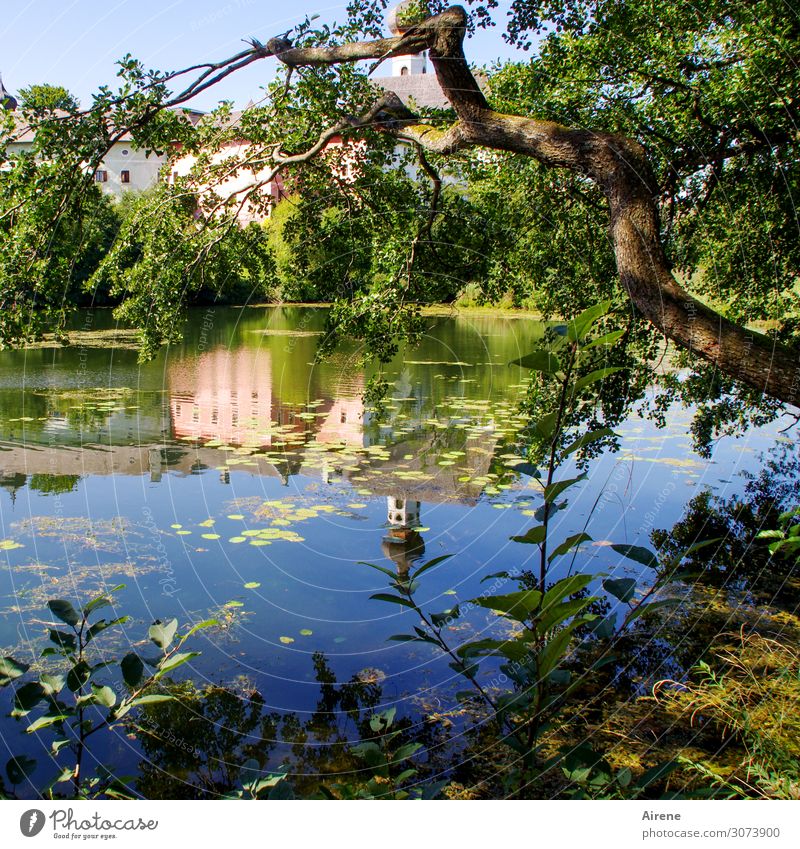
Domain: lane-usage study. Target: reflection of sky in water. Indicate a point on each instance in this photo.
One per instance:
(232, 460)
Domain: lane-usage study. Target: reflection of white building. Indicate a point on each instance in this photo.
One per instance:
(230, 399)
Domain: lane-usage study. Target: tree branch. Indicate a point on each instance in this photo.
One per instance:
(618, 165)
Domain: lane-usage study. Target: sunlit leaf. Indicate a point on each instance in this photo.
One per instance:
(579, 327)
(568, 544)
(541, 360)
(162, 633)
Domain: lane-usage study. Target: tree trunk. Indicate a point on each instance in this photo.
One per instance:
(620, 168)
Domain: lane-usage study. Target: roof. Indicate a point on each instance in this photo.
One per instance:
(25, 134)
(423, 89)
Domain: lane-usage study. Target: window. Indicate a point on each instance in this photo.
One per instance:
(404, 71)
(124, 176)
(125, 152)
(101, 176)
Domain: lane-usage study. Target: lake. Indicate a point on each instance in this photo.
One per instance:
(234, 478)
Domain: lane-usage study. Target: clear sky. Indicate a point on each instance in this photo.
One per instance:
(75, 43)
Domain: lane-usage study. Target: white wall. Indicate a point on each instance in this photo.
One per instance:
(144, 170)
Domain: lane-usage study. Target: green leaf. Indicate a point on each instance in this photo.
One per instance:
(546, 425)
(440, 619)
(46, 721)
(201, 626)
(540, 360)
(518, 605)
(579, 327)
(51, 684)
(11, 669)
(64, 611)
(383, 569)
(154, 699)
(551, 655)
(568, 544)
(534, 536)
(604, 628)
(557, 614)
(594, 376)
(555, 489)
(28, 696)
(132, 669)
(102, 600)
(586, 439)
(621, 588)
(64, 641)
(429, 565)
(175, 660)
(406, 751)
(637, 553)
(78, 675)
(163, 633)
(102, 625)
(393, 599)
(19, 768)
(57, 745)
(565, 587)
(104, 696)
(281, 791)
(654, 605)
(607, 339)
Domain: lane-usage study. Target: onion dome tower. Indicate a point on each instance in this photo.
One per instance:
(400, 19)
(7, 100)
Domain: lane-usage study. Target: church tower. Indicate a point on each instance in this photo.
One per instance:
(7, 100)
(400, 19)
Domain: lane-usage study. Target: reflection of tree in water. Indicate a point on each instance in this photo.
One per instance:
(194, 747)
(54, 484)
(740, 562)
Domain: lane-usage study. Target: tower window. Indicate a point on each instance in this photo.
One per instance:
(124, 176)
(404, 71)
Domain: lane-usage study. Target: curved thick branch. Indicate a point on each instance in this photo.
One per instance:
(620, 168)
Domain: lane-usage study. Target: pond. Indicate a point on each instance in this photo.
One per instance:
(233, 478)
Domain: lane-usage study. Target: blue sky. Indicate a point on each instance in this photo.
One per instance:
(76, 42)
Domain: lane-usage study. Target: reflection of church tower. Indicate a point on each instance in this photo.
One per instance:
(400, 20)
(13, 482)
(403, 512)
(402, 544)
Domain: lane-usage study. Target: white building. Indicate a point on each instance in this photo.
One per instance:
(124, 168)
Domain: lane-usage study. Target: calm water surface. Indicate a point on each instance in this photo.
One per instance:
(232, 477)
